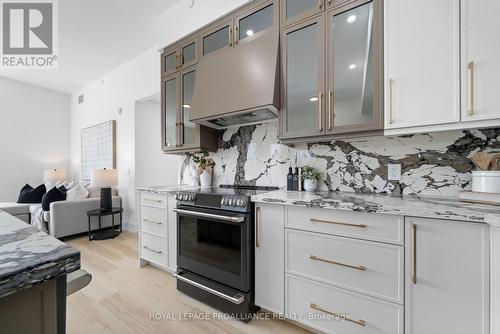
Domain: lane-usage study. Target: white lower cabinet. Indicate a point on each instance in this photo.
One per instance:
(157, 230)
(447, 277)
(270, 257)
(334, 310)
(343, 280)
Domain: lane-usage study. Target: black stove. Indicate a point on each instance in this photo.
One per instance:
(215, 246)
(227, 197)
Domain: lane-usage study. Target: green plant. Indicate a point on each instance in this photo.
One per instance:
(202, 160)
(309, 173)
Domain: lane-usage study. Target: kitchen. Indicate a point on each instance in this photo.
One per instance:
(385, 110)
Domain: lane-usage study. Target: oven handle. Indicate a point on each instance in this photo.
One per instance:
(234, 219)
(236, 299)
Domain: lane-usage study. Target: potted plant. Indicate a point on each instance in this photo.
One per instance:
(310, 177)
(205, 167)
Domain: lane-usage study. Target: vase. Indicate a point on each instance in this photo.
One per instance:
(205, 179)
(310, 185)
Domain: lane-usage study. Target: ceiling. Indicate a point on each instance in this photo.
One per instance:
(96, 36)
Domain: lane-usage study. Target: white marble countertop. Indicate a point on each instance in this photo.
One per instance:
(166, 190)
(417, 206)
(29, 256)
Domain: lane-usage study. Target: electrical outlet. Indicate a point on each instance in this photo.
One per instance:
(394, 172)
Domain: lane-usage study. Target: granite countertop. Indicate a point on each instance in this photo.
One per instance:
(29, 256)
(409, 205)
(166, 190)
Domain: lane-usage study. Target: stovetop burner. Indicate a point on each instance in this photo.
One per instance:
(225, 197)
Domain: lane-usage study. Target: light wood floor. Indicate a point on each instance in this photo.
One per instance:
(122, 295)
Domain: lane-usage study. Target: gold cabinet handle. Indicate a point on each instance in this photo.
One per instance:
(152, 221)
(391, 82)
(316, 220)
(230, 37)
(314, 257)
(257, 223)
(153, 250)
(177, 134)
(236, 35)
(318, 308)
(329, 2)
(177, 66)
(180, 60)
(181, 135)
(414, 255)
(153, 200)
(330, 111)
(470, 67)
(320, 4)
(320, 111)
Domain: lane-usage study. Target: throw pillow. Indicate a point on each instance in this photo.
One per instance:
(62, 188)
(30, 195)
(78, 192)
(53, 195)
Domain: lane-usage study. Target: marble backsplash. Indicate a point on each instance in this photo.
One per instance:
(431, 164)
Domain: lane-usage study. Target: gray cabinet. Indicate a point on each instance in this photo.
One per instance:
(354, 68)
(179, 135)
(293, 11)
(180, 55)
(303, 69)
(254, 21)
(332, 73)
(216, 37)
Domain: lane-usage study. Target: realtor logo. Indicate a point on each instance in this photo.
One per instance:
(28, 34)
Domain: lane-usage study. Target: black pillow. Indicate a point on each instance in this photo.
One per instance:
(30, 195)
(53, 195)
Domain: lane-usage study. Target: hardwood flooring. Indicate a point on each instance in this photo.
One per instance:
(122, 296)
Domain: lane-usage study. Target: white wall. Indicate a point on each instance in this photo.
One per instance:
(134, 81)
(152, 166)
(34, 135)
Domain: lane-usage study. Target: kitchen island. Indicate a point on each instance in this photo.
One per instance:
(33, 269)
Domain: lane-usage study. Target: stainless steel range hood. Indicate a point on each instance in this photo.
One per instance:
(238, 86)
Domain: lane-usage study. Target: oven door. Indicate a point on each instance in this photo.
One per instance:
(215, 244)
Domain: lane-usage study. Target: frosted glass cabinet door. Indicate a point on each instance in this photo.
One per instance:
(256, 22)
(188, 132)
(169, 112)
(480, 60)
(216, 38)
(354, 95)
(303, 74)
(293, 11)
(170, 61)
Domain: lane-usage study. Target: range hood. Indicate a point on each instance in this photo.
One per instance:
(238, 86)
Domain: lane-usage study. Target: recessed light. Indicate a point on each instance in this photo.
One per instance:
(249, 32)
(187, 106)
(352, 66)
(351, 19)
(313, 99)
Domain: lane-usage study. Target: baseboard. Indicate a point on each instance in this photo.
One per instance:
(130, 227)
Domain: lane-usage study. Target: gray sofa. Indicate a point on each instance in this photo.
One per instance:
(65, 218)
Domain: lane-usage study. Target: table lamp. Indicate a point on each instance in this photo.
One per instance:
(54, 175)
(104, 179)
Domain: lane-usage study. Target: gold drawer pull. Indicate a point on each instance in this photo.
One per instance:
(316, 220)
(257, 223)
(414, 253)
(153, 250)
(153, 200)
(152, 221)
(358, 322)
(470, 67)
(314, 257)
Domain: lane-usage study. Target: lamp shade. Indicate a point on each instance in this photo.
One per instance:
(54, 175)
(104, 178)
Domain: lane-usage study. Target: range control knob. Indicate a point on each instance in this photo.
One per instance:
(176, 196)
(231, 202)
(240, 202)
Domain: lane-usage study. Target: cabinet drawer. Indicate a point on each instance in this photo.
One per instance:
(369, 226)
(154, 249)
(368, 267)
(150, 199)
(316, 304)
(154, 220)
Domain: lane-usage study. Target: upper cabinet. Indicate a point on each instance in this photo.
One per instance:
(332, 75)
(180, 55)
(216, 37)
(293, 11)
(179, 135)
(251, 23)
(480, 60)
(421, 62)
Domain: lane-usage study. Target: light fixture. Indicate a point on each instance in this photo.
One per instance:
(104, 179)
(351, 19)
(249, 32)
(352, 66)
(187, 106)
(313, 99)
